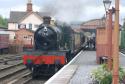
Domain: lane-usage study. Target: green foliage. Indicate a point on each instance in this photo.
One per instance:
(3, 22)
(66, 35)
(122, 39)
(121, 74)
(124, 26)
(102, 76)
(123, 36)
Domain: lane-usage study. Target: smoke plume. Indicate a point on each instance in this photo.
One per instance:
(70, 10)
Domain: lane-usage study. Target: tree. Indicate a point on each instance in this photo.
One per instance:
(124, 25)
(123, 36)
(66, 34)
(3, 22)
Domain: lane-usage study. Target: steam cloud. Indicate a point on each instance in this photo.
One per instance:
(74, 10)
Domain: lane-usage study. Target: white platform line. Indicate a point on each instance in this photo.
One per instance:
(74, 58)
(122, 54)
(54, 76)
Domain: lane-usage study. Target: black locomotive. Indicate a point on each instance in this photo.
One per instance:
(54, 46)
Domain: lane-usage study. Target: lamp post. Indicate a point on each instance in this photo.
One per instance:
(115, 77)
(107, 4)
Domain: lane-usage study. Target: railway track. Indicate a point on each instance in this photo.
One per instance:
(11, 73)
(10, 66)
(23, 79)
(14, 72)
(10, 55)
(7, 58)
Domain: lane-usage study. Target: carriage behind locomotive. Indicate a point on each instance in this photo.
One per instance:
(54, 46)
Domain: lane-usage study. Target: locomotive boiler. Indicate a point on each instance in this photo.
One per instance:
(47, 37)
(54, 46)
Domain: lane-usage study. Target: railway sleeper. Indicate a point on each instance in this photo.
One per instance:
(11, 71)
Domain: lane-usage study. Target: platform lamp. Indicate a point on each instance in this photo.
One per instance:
(108, 11)
(115, 74)
(107, 4)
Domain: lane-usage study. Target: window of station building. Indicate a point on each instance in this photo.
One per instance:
(30, 26)
(14, 37)
(25, 37)
(36, 25)
(21, 26)
(30, 37)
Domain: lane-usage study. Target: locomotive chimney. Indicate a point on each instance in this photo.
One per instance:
(46, 20)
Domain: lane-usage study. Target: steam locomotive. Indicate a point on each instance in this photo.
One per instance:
(54, 46)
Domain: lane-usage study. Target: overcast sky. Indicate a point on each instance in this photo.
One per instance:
(66, 10)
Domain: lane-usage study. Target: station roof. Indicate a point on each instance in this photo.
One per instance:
(93, 24)
(16, 16)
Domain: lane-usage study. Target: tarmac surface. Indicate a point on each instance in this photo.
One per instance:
(86, 62)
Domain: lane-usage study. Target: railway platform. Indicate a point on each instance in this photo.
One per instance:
(78, 71)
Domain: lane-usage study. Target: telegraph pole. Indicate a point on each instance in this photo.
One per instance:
(116, 45)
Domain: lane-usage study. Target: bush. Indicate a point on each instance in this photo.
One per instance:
(101, 75)
(122, 46)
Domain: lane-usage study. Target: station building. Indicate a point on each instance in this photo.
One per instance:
(22, 24)
(26, 19)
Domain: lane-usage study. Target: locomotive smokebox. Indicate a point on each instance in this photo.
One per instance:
(46, 19)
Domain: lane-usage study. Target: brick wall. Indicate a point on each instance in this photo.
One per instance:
(25, 37)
